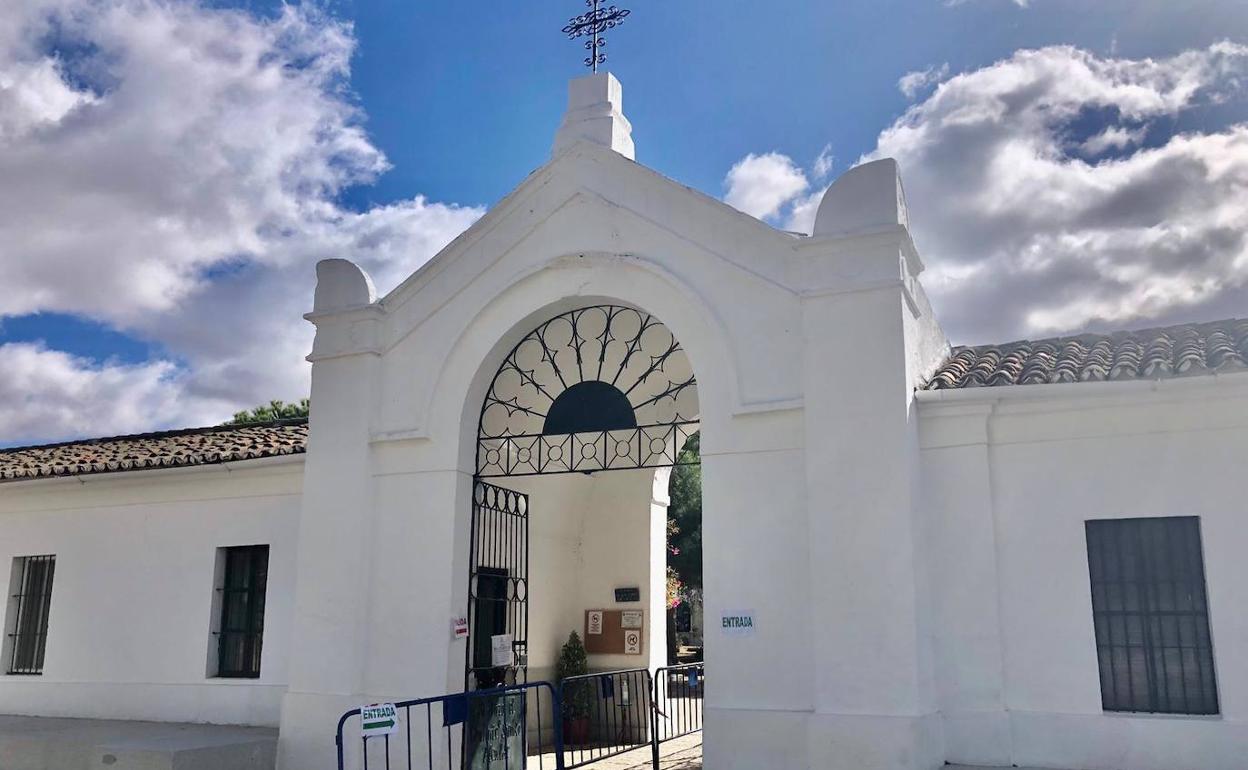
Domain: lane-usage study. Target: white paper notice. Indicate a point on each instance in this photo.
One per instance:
(500, 650)
(595, 622)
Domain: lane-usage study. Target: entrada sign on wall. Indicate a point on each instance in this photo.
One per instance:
(738, 623)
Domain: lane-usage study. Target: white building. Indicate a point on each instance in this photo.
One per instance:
(1027, 554)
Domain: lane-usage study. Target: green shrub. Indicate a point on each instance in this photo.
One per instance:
(574, 662)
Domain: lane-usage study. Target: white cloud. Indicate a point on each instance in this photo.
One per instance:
(823, 163)
(913, 83)
(1027, 231)
(49, 393)
(1114, 138)
(760, 185)
(800, 217)
(172, 169)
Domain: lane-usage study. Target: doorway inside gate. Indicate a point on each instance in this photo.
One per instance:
(579, 433)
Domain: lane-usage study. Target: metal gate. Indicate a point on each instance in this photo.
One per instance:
(498, 588)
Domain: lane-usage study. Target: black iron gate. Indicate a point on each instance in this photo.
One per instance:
(498, 588)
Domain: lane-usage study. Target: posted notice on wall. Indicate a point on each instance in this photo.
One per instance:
(632, 642)
(459, 628)
(738, 622)
(632, 619)
(379, 719)
(595, 622)
(501, 650)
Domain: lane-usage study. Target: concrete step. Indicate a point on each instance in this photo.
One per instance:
(44, 743)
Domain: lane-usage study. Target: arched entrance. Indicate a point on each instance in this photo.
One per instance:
(559, 545)
(598, 388)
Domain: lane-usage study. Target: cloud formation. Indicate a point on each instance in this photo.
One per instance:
(41, 387)
(760, 185)
(913, 83)
(172, 170)
(1049, 192)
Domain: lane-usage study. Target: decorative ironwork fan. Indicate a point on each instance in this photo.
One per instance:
(598, 388)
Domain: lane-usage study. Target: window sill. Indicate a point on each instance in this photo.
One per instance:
(1157, 715)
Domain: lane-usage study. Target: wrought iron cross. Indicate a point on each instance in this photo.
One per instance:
(593, 24)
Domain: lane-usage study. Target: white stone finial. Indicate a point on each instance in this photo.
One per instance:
(865, 197)
(596, 115)
(341, 285)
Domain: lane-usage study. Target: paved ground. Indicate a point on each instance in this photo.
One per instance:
(39, 743)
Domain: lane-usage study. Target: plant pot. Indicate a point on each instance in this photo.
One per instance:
(576, 731)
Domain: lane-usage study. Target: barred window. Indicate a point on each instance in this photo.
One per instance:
(30, 602)
(1151, 614)
(246, 573)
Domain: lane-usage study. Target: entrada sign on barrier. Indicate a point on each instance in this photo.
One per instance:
(506, 728)
(378, 719)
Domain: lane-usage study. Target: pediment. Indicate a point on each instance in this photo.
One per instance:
(592, 178)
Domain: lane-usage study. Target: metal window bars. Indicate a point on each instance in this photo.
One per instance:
(241, 636)
(1150, 612)
(32, 602)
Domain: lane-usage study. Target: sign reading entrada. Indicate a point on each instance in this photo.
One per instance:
(738, 622)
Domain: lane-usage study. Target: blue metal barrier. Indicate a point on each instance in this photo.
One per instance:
(527, 727)
(506, 728)
(678, 695)
(613, 709)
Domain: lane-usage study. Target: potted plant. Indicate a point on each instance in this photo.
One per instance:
(577, 694)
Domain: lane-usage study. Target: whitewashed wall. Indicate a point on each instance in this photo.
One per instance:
(806, 353)
(129, 631)
(1010, 476)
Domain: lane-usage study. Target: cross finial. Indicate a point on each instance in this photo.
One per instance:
(593, 24)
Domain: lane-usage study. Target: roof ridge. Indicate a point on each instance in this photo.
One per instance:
(162, 434)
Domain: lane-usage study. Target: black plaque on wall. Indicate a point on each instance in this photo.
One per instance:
(623, 595)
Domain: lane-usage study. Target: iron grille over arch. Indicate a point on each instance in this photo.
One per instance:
(597, 388)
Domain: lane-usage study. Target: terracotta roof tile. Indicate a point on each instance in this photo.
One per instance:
(147, 451)
(1147, 354)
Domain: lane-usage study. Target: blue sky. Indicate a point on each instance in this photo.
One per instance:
(177, 167)
(465, 97)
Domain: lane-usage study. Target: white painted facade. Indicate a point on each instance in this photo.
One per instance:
(130, 635)
(915, 564)
(1010, 475)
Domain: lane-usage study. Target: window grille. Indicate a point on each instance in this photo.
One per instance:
(242, 611)
(1151, 615)
(31, 603)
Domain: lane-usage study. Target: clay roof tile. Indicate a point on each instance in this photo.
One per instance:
(1186, 349)
(167, 449)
